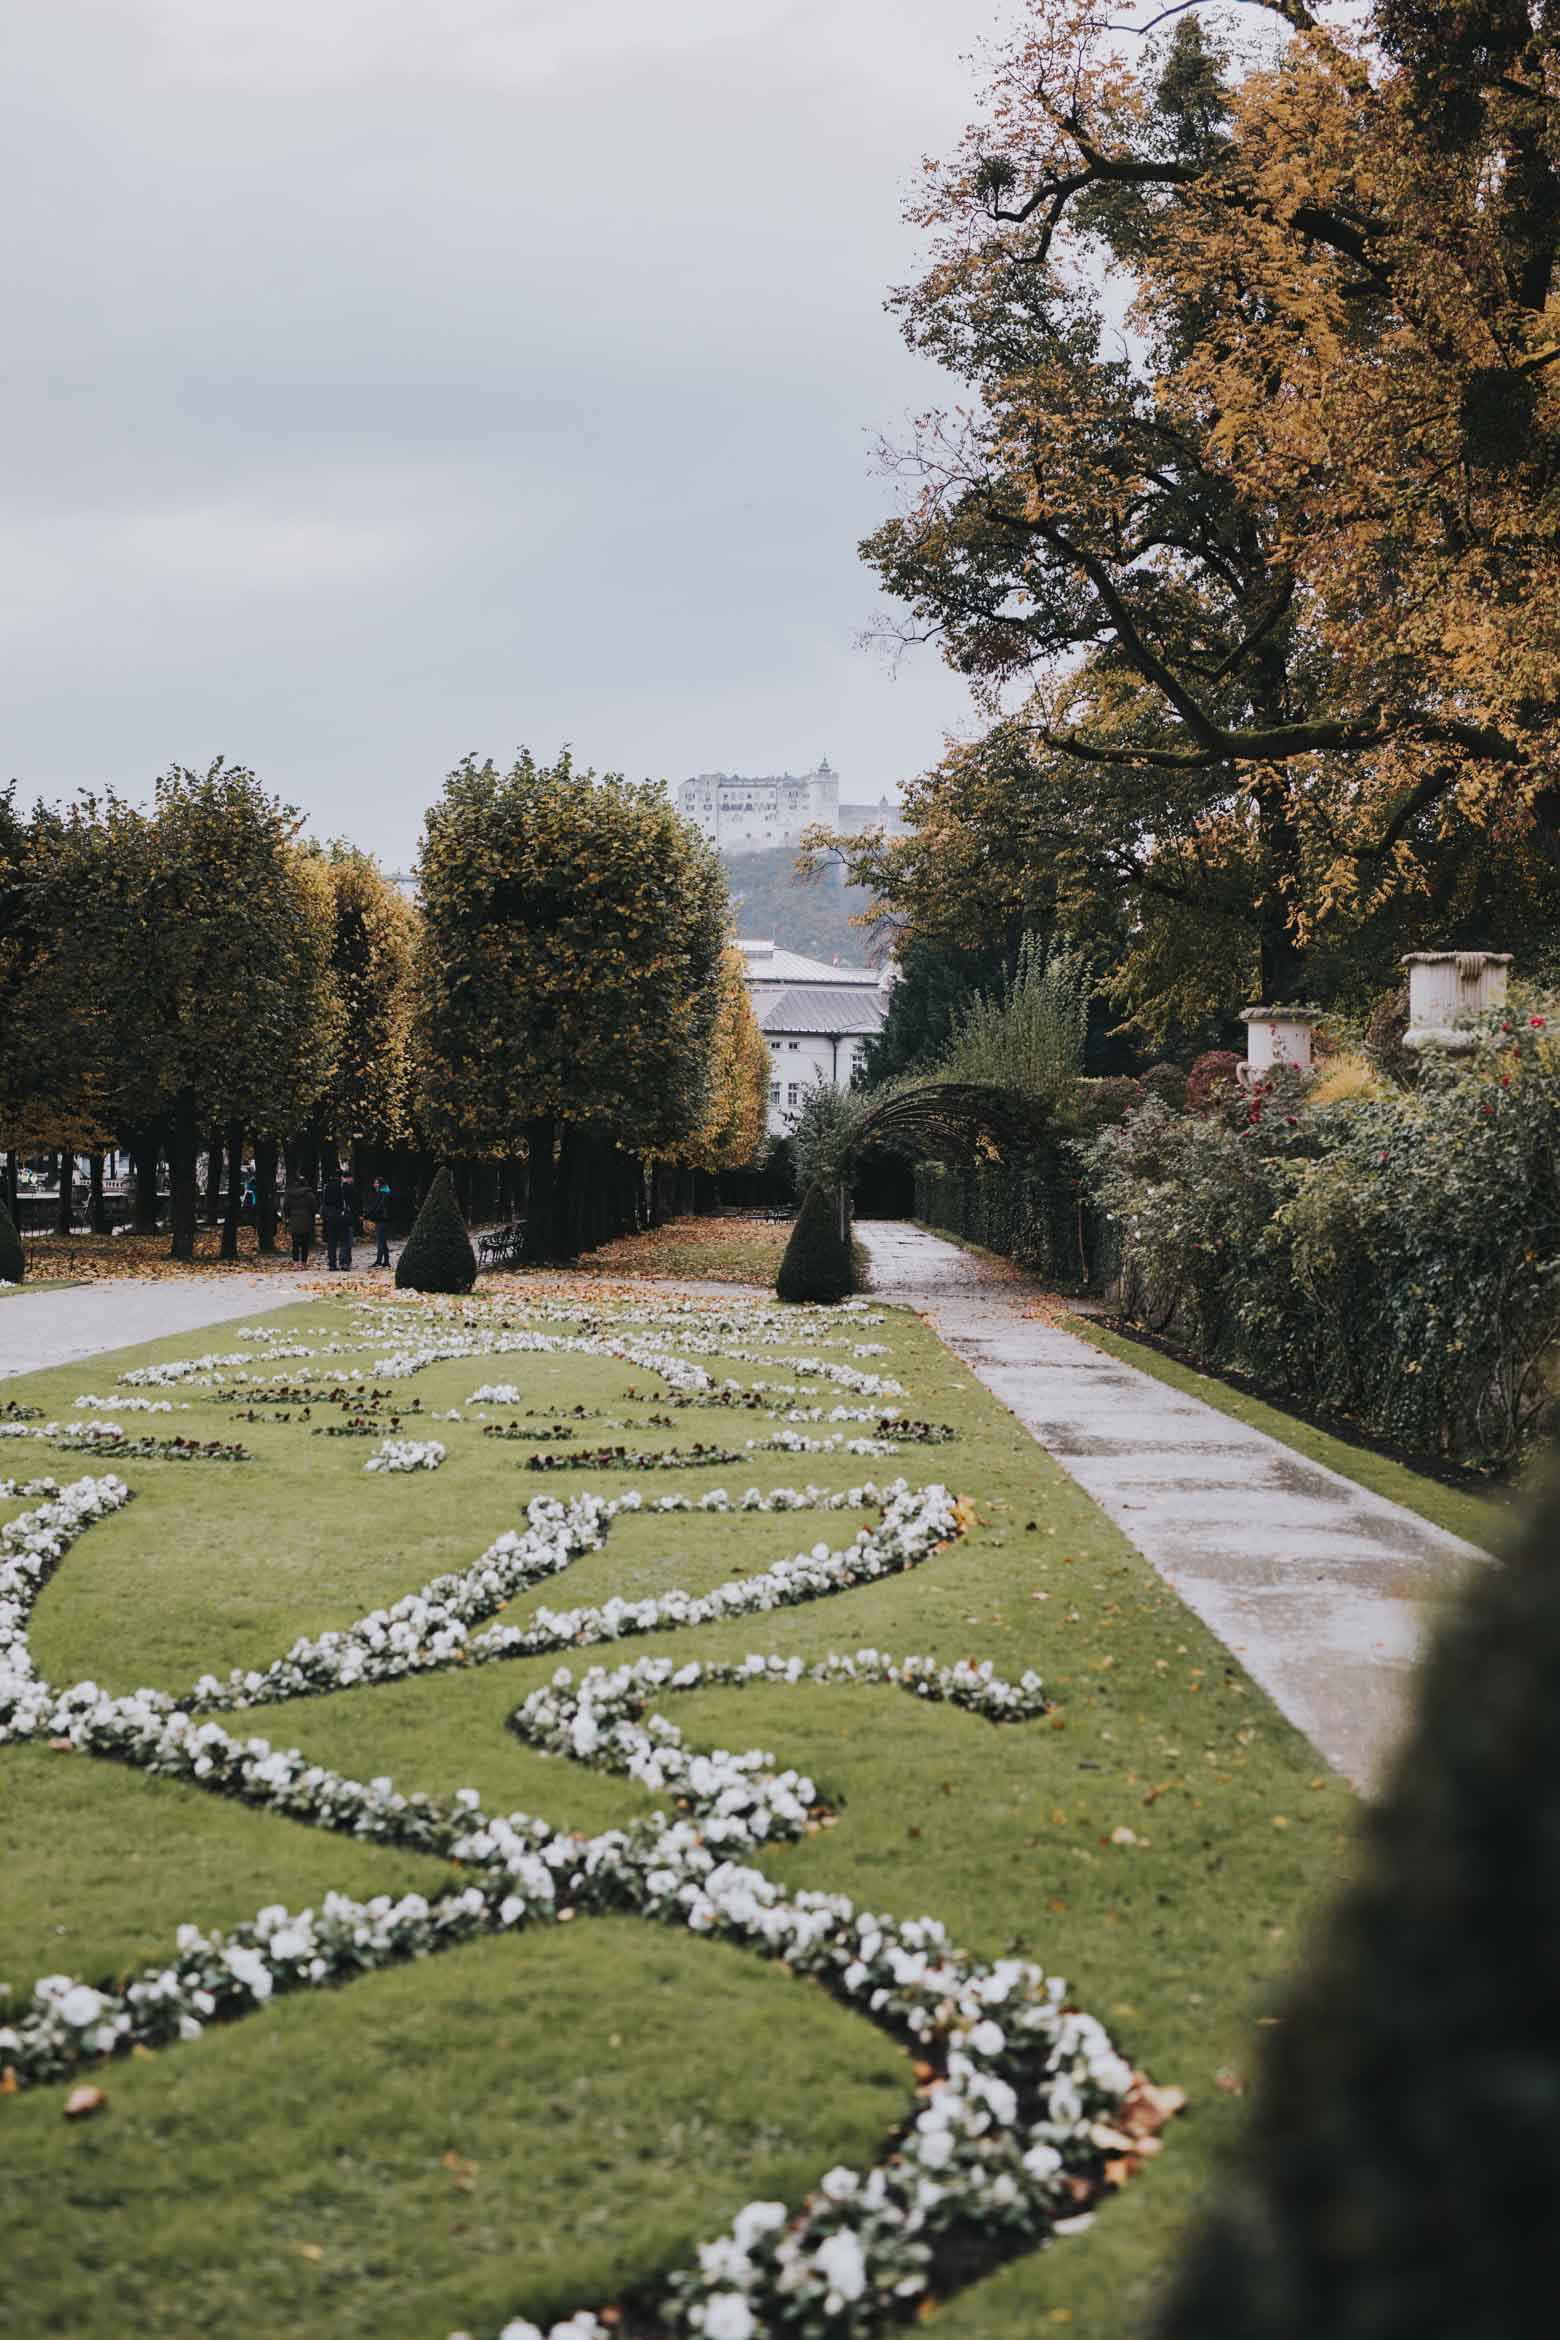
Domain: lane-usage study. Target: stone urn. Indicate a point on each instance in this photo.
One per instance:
(1447, 990)
(1277, 1036)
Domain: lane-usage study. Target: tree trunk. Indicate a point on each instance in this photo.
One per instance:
(213, 1177)
(265, 1194)
(540, 1135)
(12, 1182)
(98, 1215)
(182, 1177)
(65, 1216)
(235, 1188)
(145, 1154)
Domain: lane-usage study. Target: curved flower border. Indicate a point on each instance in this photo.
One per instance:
(1021, 2095)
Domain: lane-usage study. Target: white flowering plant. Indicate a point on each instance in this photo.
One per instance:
(1024, 2096)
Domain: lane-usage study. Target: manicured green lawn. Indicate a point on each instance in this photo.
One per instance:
(528, 2124)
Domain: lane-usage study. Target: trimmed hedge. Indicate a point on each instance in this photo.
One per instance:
(1394, 1259)
(1038, 1212)
(438, 1255)
(12, 1265)
(1401, 2162)
(817, 1262)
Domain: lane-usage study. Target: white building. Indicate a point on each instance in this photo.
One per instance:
(745, 816)
(814, 1017)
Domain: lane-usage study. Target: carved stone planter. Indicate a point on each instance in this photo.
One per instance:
(1447, 990)
(1277, 1036)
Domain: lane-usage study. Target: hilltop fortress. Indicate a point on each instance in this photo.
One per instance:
(744, 816)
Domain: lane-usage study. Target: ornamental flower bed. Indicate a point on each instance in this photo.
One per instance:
(1024, 2101)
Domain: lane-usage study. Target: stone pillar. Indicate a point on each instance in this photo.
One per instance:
(1277, 1036)
(1446, 991)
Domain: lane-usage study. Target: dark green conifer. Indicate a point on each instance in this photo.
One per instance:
(438, 1255)
(12, 1265)
(1402, 2166)
(817, 1264)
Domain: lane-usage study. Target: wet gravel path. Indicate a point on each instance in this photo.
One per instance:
(39, 1329)
(1317, 1585)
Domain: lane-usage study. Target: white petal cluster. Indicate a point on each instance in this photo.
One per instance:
(1023, 2088)
(406, 1454)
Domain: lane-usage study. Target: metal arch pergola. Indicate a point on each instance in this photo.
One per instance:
(953, 1121)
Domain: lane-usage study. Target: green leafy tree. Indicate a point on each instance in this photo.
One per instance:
(1031, 1036)
(51, 988)
(569, 984)
(214, 934)
(936, 982)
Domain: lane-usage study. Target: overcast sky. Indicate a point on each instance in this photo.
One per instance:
(388, 378)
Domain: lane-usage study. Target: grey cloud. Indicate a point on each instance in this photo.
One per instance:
(451, 376)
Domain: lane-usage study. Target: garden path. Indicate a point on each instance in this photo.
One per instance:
(40, 1329)
(1318, 1586)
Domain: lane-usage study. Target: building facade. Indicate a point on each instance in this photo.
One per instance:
(814, 1018)
(746, 816)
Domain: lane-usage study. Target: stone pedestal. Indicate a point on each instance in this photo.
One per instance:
(1447, 991)
(1277, 1036)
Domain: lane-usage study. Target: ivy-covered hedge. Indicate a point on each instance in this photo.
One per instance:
(1039, 1213)
(1394, 1258)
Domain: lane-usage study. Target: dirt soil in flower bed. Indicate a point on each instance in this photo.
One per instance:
(527, 2125)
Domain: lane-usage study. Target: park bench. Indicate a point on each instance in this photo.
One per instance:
(499, 1247)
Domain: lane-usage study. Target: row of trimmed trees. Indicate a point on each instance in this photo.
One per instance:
(196, 979)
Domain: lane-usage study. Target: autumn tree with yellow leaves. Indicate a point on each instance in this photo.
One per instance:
(368, 1096)
(733, 1133)
(1247, 539)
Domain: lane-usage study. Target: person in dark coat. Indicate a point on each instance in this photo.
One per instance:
(379, 1220)
(298, 1206)
(336, 1211)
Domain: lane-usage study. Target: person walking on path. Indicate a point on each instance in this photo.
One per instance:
(336, 1203)
(298, 1210)
(379, 1220)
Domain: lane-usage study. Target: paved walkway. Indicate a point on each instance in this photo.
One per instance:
(1314, 1583)
(39, 1329)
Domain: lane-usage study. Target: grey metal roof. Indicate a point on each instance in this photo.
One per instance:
(766, 964)
(812, 1008)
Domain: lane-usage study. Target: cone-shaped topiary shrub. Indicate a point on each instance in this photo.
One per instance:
(1401, 2171)
(438, 1255)
(12, 1265)
(817, 1264)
